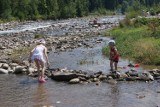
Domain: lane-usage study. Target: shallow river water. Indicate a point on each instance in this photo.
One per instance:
(24, 91)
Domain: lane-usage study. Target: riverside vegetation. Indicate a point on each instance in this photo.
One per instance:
(138, 39)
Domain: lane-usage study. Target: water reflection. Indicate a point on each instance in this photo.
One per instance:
(41, 96)
(114, 95)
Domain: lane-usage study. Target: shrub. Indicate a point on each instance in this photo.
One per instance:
(125, 22)
(132, 14)
(38, 36)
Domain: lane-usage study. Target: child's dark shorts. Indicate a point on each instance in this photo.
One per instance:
(114, 60)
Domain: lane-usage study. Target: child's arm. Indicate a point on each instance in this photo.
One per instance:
(46, 56)
(116, 53)
(29, 59)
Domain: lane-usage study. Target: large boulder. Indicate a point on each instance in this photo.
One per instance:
(146, 76)
(63, 76)
(13, 65)
(20, 70)
(3, 71)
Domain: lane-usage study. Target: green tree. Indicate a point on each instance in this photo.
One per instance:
(33, 9)
(5, 9)
(20, 9)
(52, 8)
(42, 7)
(82, 8)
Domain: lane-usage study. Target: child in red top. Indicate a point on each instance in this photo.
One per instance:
(114, 56)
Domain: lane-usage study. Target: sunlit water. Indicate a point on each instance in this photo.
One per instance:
(22, 91)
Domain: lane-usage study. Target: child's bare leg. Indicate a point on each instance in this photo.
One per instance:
(115, 65)
(38, 68)
(111, 65)
(43, 69)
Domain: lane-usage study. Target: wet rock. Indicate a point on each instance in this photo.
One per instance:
(98, 73)
(132, 78)
(1, 65)
(155, 70)
(11, 71)
(3, 61)
(123, 75)
(74, 81)
(95, 79)
(133, 74)
(102, 77)
(3, 71)
(157, 77)
(20, 70)
(146, 76)
(83, 76)
(113, 75)
(112, 81)
(5, 66)
(30, 70)
(140, 96)
(9, 53)
(158, 91)
(61, 76)
(33, 74)
(13, 65)
(98, 83)
(3, 47)
(82, 79)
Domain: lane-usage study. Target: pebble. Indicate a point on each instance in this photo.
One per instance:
(58, 102)
(158, 91)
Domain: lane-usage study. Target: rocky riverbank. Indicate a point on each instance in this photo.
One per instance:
(19, 37)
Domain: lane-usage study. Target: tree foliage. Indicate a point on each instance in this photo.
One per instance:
(53, 9)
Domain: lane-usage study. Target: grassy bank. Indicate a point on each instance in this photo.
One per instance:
(138, 40)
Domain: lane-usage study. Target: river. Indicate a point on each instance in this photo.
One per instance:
(24, 91)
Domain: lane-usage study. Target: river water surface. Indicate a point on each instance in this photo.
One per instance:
(24, 91)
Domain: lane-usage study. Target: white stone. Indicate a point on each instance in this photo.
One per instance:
(5, 66)
(74, 81)
(3, 71)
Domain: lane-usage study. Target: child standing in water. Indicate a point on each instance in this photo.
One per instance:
(114, 56)
(39, 56)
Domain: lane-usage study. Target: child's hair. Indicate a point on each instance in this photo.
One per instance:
(41, 41)
(111, 42)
